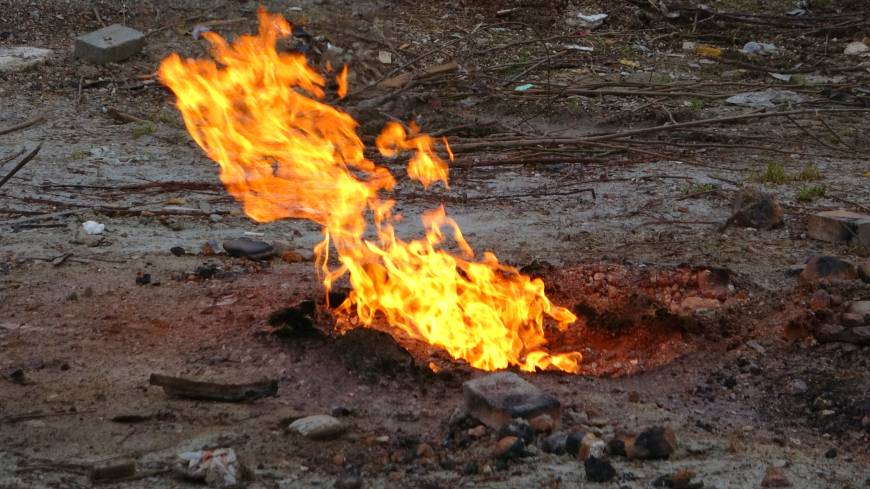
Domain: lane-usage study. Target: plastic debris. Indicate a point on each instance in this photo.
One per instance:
(199, 30)
(523, 88)
(577, 47)
(765, 99)
(761, 48)
(856, 48)
(93, 227)
(385, 57)
(708, 51)
(781, 76)
(689, 46)
(218, 468)
(589, 21)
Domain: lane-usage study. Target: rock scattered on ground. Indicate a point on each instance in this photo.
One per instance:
(754, 209)
(824, 268)
(774, 477)
(598, 470)
(249, 248)
(318, 427)
(658, 442)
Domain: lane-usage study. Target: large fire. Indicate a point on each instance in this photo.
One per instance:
(283, 154)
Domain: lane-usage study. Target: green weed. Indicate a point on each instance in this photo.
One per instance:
(811, 193)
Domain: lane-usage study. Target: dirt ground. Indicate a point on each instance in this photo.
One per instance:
(620, 231)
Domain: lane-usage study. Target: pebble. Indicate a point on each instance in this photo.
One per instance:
(653, 443)
(852, 320)
(573, 442)
(425, 451)
(248, 248)
(598, 470)
(349, 479)
(861, 308)
(797, 386)
(177, 250)
(509, 447)
(520, 428)
(774, 477)
(831, 453)
(820, 300)
(318, 427)
(827, 268)
(554, 443)
(542, 424)
(477, 432)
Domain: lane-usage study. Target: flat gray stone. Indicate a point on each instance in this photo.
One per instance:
(318, 427)
(110, 44)
(20, 58)
(861, 308)
(498, 398)
(840, 226)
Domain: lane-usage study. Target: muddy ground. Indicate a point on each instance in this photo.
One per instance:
(741, 380)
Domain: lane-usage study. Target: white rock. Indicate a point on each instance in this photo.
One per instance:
(318, 427)
(93, 227)
(856, 48)
(861, 308)
(21, 58)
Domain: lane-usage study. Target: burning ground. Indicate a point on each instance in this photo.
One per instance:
(753, 364)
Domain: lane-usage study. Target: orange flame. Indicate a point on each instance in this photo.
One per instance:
(284, 154)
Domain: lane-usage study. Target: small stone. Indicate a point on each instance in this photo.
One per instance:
(826, 269)
(478, 431)
(291, 256)
(831, 453)
(542, 424)
(855, 48)
(820, 300)
(318, 427)
(554, 443)
(425, 451)
(471, 468)
(755, 209)
(616, 445)
(509, 447)
(653, 443)
(110, 44)
(797, 387)
(861, 336)
(249, 248)
(591, 446)
(348, 479)
(215, 218)
(714, 283)
(573, 442)
(520, 428)
(177, 250)
(342, 411)
(598, 470)
(113, 470)
(861, 308)
(852, 320)
(20, 58)
(498, 398)
(864, 271)
(774, 477)
(143, 278)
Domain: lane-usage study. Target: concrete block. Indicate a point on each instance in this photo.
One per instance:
(498, 398)
(110, 44)
(20, 58)
(840, 226)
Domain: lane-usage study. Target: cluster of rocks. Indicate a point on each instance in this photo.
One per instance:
(839, 320)
(524, 420)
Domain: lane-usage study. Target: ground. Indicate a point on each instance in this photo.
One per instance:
(620, 230)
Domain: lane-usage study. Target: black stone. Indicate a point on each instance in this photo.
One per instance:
(519, 428)
(598, 470)
(655, 443)
(616, 447)
(296, 321)
(471, 468)
(348, 479)
(555, 443)
(143, 278)
(831, 453)
(249, 248)
(207, 271)
(573, 442)
(177, 250)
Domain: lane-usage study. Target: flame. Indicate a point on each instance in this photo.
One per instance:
(284, 154)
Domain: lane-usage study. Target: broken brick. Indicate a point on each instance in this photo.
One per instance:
(840, 226)
(498, 398)
(110, 44)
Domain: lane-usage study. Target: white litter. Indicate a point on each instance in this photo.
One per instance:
(761, 48)
(93, 227)
(765, 99)
(577, 47)
(218, 468)
(856, 48)
(781, 76)
(199, 30)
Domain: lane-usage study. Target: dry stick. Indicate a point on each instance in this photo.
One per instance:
(666, 127)
(625, 93)
(39, 118)
(816, 138)
(834, 133)
(11, 157)
(21, 164)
